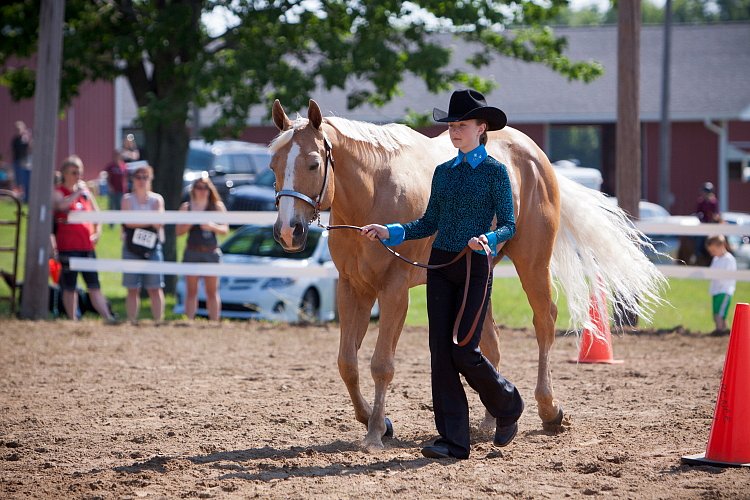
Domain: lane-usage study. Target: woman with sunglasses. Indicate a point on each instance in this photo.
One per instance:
(76, 240)
(143, 241)
(203, 246)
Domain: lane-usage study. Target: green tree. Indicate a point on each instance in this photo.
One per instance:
(278, 49)
(683, 11)
(586, 16)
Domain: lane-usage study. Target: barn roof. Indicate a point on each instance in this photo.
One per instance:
(710, 80)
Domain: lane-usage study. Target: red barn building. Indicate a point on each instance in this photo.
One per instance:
(709, 108)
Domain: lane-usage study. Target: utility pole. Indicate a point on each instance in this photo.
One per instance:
(628, 137)
(35, 302)
(628, 156)
(665, 183)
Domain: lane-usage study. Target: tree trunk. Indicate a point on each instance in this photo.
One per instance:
(167, 148)
(35, 300)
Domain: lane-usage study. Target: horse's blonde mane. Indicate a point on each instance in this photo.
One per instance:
(390, 137)
(370, 143)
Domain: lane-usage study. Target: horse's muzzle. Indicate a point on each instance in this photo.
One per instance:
(292, 236)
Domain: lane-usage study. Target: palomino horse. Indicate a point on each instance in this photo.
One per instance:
(378, 174)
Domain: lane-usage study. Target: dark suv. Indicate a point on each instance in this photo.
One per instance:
(228, 163)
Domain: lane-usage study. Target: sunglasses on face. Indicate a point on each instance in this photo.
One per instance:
(200, 187)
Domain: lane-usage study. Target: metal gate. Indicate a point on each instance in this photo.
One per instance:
(11, 277)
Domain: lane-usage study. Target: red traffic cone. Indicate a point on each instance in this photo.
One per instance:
(729, 441)
(597, 347)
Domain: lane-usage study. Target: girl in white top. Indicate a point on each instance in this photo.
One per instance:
(721, 290)
(150, 235)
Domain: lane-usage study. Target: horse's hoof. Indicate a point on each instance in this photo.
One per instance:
(488, 425)
(555, 425)
(372, 445)
(388, 428)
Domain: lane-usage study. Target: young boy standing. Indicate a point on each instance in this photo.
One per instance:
(721, 290)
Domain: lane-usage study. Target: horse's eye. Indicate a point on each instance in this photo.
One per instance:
(314, 166)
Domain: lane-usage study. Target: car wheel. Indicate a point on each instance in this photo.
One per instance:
(310, 306)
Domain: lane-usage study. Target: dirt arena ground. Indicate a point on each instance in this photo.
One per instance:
(246, 410)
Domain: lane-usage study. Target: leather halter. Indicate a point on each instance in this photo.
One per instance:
(466, 252)
(316, 203)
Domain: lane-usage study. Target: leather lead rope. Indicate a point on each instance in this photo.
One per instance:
(467, 252)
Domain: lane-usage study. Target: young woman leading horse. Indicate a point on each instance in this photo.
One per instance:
(468, 192)
(366, 173)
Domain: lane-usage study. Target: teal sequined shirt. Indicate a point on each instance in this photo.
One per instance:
(467, 192)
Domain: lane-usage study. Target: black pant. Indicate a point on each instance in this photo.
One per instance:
(445, 289)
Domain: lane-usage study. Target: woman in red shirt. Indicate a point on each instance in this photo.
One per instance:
(76, 240)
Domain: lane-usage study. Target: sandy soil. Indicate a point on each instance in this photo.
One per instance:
(258, 410)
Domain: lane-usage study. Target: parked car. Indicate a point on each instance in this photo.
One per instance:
(667, 246)
(298, 299)
(589, 177)
(739, 245)
(258, 196)
(227, 163)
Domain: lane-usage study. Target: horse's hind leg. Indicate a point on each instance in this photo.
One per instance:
(537, 283)
(354, 315)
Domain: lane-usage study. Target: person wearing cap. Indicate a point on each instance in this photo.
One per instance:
(468, 192)
(707, 206)
(707, 210)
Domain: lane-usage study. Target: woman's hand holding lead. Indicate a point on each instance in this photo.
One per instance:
(375, 231)
(475, 244)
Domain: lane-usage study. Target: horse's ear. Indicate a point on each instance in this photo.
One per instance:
(314, 114)
(279, 117)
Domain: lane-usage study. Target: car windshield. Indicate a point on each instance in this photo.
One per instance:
(258, 241)
(266, 178)
(198, 160)
(262, 161)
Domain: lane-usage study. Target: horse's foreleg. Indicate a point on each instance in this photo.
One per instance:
(537, 284)
(354, 315)
(393, 305)
(489, 344)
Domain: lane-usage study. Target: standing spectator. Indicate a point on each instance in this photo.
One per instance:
(202, 246)
(707, 210)
(721, 290)
(117, 180)
(130, 150)
(143, 241)
(76, 240)
(707, 207)
(21, 146)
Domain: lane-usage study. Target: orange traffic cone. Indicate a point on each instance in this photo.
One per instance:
(55, 268)
(729, 441)
(597, 348)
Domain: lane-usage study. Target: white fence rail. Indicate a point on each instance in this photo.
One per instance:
(181, 217)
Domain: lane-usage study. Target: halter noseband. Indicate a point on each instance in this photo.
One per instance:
(301, 196)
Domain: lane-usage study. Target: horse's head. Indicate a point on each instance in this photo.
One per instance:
(303, 164)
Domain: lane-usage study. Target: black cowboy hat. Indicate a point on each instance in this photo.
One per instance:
(467, 105)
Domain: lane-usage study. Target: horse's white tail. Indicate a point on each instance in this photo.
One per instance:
(599, 253)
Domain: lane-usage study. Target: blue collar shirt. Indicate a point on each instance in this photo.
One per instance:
(473, 157)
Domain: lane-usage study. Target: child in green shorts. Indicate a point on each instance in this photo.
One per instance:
(721, 289)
